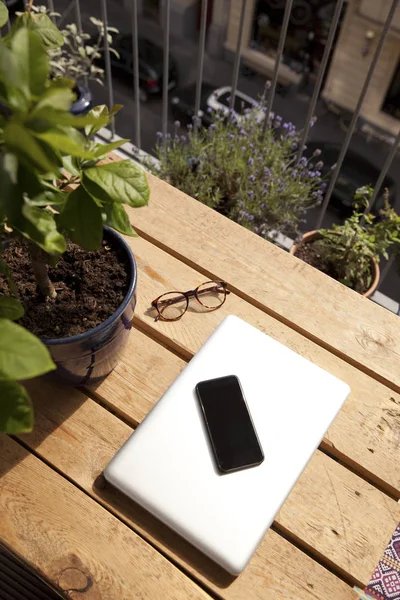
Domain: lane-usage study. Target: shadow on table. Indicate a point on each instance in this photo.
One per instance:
(53, 404)
(165, 539)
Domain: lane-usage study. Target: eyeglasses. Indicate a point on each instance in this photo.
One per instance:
(173, 305)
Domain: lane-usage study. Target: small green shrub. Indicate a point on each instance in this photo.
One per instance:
(350, 247)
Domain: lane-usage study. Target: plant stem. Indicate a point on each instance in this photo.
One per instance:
(40, 270)
(29, 6)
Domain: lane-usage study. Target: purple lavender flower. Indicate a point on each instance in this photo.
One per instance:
(250, 161)
(303, 161)
(159, 134)
(313, 121)
(243, 148)
(230, 136)
(252, 178)
(209, 110)
(189, 127)
(295, 146)
(242, 131)
(317, 152)
(183, 138)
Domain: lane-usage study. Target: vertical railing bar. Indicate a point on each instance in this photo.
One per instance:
(78, 15)
(135, 54)
(356, 113)
(166, 71)
(386, 269)
(51, 8)
(281, 45)
(65, 14)
(236, 64)
(108, 63)
(321, 71)
(383, 173)
(79, 25)
(200, 60)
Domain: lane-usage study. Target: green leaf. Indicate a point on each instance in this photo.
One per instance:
(59, 141)
(123, 182)
(3, 14)
(70, 166)
(48, 198)
(116, 217)
(32, 61)
(22, 355)
(10, 308)
(99, 114)
(103, 149)
(39, 225)
(48, 32)
(59, 117)
(81, 217)
(21, 141)
(16, 412)
(54, 98)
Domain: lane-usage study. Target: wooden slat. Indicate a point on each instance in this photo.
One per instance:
(331, 511)
(337, 318)
(79, 437)
(371, 413)
(75, 543)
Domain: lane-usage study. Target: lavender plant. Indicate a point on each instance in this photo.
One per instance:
(249, 175)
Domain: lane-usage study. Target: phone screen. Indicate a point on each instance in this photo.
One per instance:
(230, 427)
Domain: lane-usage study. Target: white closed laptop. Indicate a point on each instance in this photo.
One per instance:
(168, 466)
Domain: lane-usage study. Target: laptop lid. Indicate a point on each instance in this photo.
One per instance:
(167, 465)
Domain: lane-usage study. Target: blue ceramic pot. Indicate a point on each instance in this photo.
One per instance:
(84, 101)
(89, 357)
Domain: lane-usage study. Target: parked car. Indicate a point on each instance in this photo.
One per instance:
(182, 103)
(150, 65)
(356, 171)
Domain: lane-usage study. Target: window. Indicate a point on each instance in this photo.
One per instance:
(391, 104)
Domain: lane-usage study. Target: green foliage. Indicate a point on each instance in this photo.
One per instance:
(39, 138)
(350, 247)
(244, 172)
(117, 182)
(81, 217)
(16, 413)
(77, 58)
(22, 356)
(41, 25)
(3, 14)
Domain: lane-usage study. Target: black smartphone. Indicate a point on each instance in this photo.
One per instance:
(230, 427)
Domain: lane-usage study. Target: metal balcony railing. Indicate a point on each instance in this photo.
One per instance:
(236, 65)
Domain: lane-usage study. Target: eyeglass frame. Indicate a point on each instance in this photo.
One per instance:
(190, 294)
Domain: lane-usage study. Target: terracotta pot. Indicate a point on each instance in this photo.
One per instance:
(311, 236)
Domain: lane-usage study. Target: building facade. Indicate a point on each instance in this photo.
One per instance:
(357, 36)
(359, 29)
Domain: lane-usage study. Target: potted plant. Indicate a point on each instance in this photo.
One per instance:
(76, 57)
(248, 174)
(65, 272)
(351, 252)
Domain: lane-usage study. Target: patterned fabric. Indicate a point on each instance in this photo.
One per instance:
(385, 581)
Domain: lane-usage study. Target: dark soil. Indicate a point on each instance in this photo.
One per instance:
(310, 253)
(90, 287)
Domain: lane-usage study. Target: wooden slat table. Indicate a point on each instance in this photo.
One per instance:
(58, 514)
